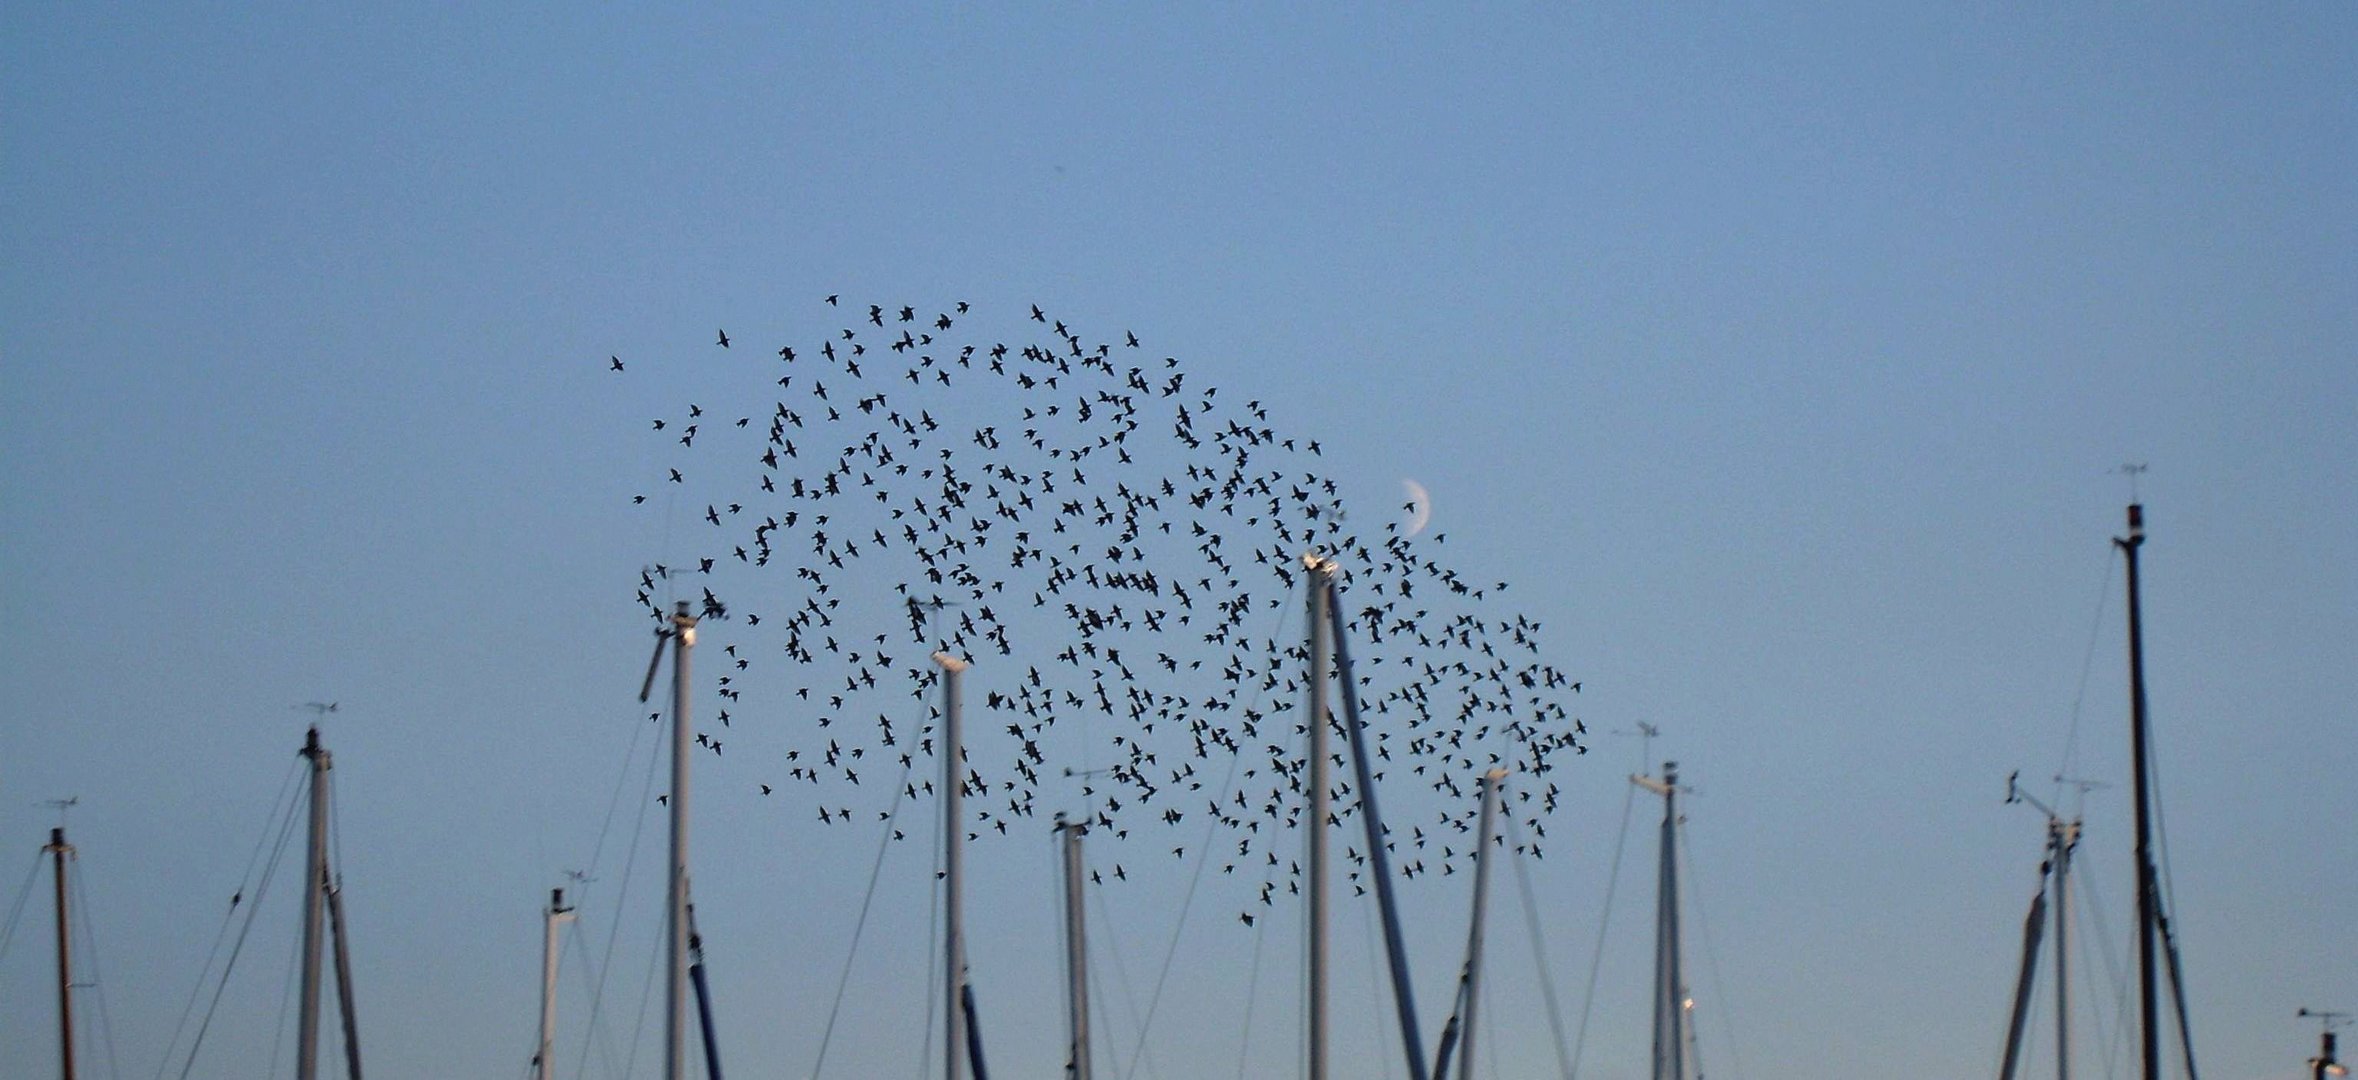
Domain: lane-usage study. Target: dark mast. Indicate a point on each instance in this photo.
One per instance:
(2148, 1002)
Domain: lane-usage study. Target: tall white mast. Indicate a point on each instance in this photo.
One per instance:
(1076, 950)
(675, 1024)
(543, 1068)
(682, 638)
(1314, 781)
(953, 869)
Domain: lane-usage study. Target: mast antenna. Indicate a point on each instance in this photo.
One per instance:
(1646, 733)
(2326, 1063)
(2132, 470)
(2327, 1020)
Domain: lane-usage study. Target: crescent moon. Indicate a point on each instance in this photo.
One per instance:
(1420, 506)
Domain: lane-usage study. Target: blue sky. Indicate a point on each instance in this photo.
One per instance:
(1779, 358)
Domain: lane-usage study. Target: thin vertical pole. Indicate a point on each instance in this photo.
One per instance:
(1315, 780)
(557, 915)
(58, 850)
(953, 870)
(344, 1008)
(675, 997)
(1669, 986)
(2033, 925)
(1076, 951)
(1482, 857)
(712, 1064)
(2148, 1003)
(314, 913)
(2069, 839)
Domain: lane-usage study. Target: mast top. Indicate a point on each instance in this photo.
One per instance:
(1664, 786)
(2136, 522)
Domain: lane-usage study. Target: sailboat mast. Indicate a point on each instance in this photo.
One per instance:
(1669, 986)
(343, 950)
(1076, 950)
(675, 997)
(953, 871)
(2148, 1001)
(557, 915)
(1483, 854)
(1314, 781)
(314, 912)
(58, 850)
(2067, 838)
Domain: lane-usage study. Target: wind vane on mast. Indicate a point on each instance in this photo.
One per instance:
(2326, 1063)
(1646, 733)
(2132, 470)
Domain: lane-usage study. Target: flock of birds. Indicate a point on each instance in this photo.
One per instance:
(1117, 547)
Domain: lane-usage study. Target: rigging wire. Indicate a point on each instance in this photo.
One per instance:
(106, 1020)
(2167, 903)
(2114, 1044)
(934, 948)
(646, 999)
(1719, 985)
(1539, 953)
(2071, 739)
(638, 732)
(1596, 959)
(1121, 971)
(860, 925)
(286, 998)
(336, 927)
(1203, 858)
(229, 916)
(1252, 993)
(1383, 1024)
(2068, 767)
(16, 910)
(589, 985)
(629, 864)
(262, 888)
